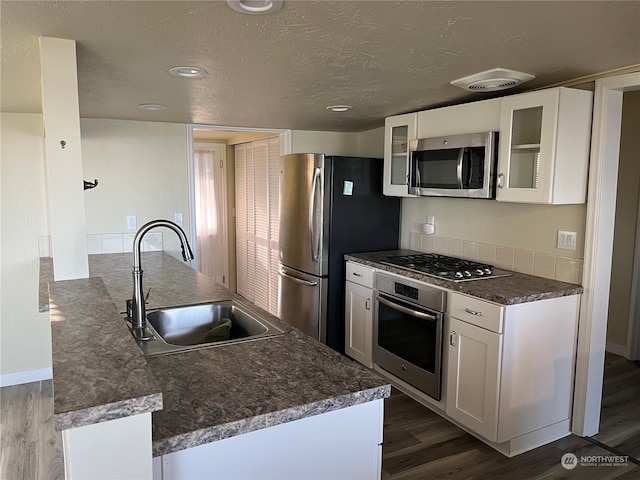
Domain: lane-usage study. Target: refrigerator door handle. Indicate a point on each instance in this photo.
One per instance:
(313, 231)
(284, 274)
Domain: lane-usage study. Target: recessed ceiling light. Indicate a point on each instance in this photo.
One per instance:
(255, 7)
(339, 108)
(152, 106)
(187, 72)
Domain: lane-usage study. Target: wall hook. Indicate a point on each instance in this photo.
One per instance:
(89, 185)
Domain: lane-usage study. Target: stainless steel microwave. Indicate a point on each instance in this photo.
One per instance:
(454, 166)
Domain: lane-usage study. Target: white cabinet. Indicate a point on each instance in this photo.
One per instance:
(344, 443)
(510, 368)
(473, 380)
(398, 132)
(359, 313)
(475, 117)
(544, 146)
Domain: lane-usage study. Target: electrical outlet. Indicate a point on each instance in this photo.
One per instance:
(132, 224)
(177, 218)
(567, 240)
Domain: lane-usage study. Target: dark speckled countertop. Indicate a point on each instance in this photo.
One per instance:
(517, 288)
(196, 397)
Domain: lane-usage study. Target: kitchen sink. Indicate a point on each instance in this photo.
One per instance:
(179, 329)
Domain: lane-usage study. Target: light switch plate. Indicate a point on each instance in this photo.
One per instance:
(177, 218)
(132, 224)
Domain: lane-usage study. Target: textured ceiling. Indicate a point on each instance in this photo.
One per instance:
(282, 70)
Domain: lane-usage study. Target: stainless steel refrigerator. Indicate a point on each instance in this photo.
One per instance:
(329, 206)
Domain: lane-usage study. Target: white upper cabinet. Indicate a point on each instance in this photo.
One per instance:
(398, 131)
(544, 147)
(475, 117)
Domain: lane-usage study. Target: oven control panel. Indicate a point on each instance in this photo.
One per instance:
(408, 289)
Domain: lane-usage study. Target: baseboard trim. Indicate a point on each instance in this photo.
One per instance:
(29, 376)
(617, 349)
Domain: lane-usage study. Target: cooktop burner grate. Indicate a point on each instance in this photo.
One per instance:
(446, 267)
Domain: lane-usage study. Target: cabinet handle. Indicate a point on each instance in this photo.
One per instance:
(473, 312)
(357, 274)
(451, 338)
(367, 304)
(500, 180)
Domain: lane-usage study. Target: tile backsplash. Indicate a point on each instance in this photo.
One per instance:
(110, 243)
(544, 265)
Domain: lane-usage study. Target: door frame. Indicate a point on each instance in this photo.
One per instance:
(285, 148)
(601, 201)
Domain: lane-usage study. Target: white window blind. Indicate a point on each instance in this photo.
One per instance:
(257, 221)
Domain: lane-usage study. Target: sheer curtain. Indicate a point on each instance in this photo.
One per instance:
(210, 205)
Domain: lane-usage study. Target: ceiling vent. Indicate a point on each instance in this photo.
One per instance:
(492, 80)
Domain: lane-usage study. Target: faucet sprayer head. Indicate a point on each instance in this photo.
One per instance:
(187, 254)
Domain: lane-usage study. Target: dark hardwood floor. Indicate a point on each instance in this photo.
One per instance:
(620, 414)
(418, 444)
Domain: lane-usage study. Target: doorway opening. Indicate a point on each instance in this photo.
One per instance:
(622, 323)
(226, 230)
(603, 176)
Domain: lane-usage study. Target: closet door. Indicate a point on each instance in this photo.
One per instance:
(257, 221)
(261, 222)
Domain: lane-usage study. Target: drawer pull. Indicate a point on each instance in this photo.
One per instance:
(357, 274)
(473, 312)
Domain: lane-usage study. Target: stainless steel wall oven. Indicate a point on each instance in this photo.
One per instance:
(408, 319)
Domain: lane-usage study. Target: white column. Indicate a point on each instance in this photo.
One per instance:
(63, 158)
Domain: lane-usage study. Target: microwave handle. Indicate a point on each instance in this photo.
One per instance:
(459, 169)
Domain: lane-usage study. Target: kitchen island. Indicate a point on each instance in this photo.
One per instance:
(290, 385)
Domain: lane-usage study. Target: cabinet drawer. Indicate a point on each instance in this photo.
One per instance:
(360, 274)
(477, 312)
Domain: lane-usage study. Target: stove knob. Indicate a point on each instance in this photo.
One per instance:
(466, 273)
(488, 271)
(479, 272)
(458, 275)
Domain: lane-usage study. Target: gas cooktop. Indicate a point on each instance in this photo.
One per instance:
(445, 267)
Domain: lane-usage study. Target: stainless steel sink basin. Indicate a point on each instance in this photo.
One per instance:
(177, 329)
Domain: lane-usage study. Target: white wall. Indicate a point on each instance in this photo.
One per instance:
(141, 168)
(371, 143)
(363, 144)
(25, 334)
(511, 236)
(529, 227)
(329, 143)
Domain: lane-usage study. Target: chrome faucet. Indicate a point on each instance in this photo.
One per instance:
(138, 310)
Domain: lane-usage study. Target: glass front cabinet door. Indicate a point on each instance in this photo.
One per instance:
(399, 131)
(544, 147)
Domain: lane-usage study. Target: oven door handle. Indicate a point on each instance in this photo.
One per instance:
(410, 311)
